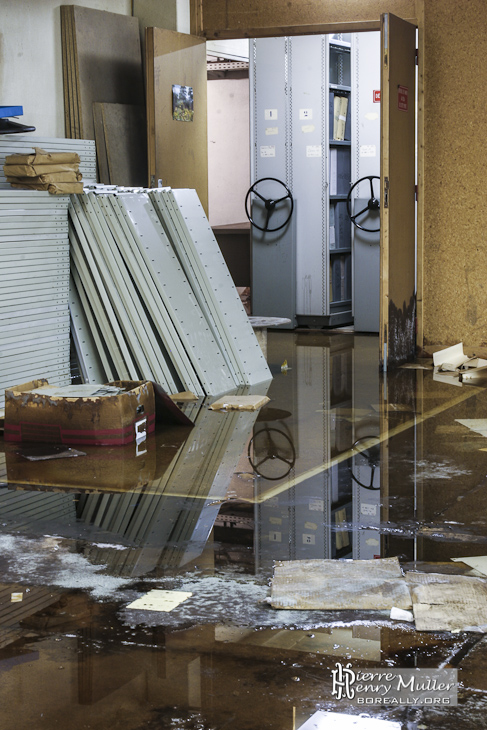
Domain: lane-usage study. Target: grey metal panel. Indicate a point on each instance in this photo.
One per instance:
(21, 319)
(53, 337)
(367, 271)
(93, 329)
(99, 301)
(32, 259)
(167, 211)
(113, 267)
(30, 236)
(185, 312)
(309, 109)
(234, 320)
(49, 354)
(148, 291)
(42, 287)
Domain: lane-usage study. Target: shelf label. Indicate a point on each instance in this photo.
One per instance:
(271, 130)
(402, 98)
(270, 114)
(305, 114)
(313, 150)
(268, 151)
(368, 150)
(376, 94)
(307, 128)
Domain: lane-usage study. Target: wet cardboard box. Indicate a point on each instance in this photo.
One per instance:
(115, 414)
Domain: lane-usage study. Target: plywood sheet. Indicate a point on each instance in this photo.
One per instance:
(103, 53)
(125, 137)
(177, 151)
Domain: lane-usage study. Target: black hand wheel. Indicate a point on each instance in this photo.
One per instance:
(274, 446)
(269, 203)
(372, 205)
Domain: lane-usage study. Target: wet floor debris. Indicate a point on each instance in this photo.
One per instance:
(478, 563)
(239, 403)
(341, 721)
(160, 600)
(448, 602)
(333, 585)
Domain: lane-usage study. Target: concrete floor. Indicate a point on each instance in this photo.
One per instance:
(342, 463)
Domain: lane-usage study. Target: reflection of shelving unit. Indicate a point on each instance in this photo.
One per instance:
(300, 519)
(340, 141)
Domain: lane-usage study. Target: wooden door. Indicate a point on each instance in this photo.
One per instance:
(398, 280)
(177, 143)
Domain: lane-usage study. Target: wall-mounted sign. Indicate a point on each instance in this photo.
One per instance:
(402, 98)
(182, 103)
(376, 96)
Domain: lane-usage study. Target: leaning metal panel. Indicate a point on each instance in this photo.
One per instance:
(181, 303)
(235, 322)
(114, 271)
(92, 282)
(86, 350)
(149, 293)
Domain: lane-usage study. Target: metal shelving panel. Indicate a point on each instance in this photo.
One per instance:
(206, 269)
(174, 288)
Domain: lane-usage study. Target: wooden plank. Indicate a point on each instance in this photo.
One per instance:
(234, 19)
(108, 61)
(397, 234)
(179, 151)
(101, 148)
(125, 140)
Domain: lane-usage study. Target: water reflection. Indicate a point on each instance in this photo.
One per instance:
(342, 463)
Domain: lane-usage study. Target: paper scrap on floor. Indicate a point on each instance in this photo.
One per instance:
(450, 358)
(448, 602)
(479, 425)
(159, 600)
(477, 562)
(239, 403)
(339, 584)
(185, 396)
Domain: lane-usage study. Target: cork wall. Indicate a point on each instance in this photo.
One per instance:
(455, 164)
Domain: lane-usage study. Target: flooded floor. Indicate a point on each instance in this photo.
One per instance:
(341, 463)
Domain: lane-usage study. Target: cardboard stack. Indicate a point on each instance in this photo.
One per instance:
(56, 172)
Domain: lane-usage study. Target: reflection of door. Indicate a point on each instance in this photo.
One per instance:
(398, 303)
(177, 150)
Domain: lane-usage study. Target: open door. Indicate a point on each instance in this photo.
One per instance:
(398, 281)
(177, 143)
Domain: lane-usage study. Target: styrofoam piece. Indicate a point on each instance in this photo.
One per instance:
(149, 293)
(116, 276)
(175, 289)
(100, 303)
(87, 352)
(230, 312)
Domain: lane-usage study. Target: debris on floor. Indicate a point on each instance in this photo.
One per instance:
(448, 602)
(159, 600)
(344, 584)
(453, 366)
(239, 403)
(477, 563)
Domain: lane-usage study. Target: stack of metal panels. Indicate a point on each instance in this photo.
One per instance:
(34, 287)
(13, 144)
(157, 300)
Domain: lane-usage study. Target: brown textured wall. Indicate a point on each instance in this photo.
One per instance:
(455, 166)
(221, 16)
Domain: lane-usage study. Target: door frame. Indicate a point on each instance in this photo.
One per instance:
(197, 27)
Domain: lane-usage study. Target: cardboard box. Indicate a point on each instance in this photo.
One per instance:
(106, 420)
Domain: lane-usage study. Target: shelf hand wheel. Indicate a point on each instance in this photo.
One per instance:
(373, 204)
(270, 204)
